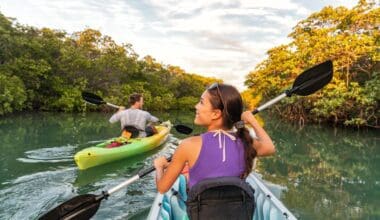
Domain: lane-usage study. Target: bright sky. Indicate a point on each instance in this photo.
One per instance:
(220, 38)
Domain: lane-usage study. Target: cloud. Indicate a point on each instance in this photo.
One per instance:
(336, 3)
(220, 38)
(275, 4)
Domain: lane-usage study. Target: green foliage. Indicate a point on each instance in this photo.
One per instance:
(352, 104)
(372, 88)
(49, 69)
(350, 38)
(163, 102)
(70, 100)
(187, 102)
(12, 93)
(33, 74)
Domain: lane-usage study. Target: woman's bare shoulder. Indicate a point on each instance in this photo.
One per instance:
(189, 149)
(191, 140)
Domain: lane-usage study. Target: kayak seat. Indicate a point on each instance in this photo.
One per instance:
(221, 198)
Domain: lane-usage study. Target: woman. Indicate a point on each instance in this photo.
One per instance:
(219, 152)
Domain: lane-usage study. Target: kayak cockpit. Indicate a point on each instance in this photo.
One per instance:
(172, 204)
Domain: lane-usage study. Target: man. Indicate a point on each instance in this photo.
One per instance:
(133, 119)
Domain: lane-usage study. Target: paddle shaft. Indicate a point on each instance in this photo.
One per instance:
(136, 177)
(123, 184)
(112, 105)
(269, 103)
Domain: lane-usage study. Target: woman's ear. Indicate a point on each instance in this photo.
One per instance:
(216, 114)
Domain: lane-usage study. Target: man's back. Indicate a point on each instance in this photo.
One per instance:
(133, 117)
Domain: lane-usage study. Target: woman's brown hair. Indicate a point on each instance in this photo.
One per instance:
(228, 99)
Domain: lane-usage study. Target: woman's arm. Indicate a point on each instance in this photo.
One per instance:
(167, 173)
(263, 145)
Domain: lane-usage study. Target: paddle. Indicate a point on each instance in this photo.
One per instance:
(305, 84)
(85, 206)
(97, 100)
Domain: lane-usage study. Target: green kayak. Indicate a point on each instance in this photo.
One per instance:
(171, 205)
(105, 152)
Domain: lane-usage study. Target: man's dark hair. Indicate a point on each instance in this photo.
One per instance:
(135, 97)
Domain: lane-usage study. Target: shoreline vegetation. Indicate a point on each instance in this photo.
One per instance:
(348, 37)
(46, 70)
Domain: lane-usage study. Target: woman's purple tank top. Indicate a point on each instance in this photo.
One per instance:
(214, 161)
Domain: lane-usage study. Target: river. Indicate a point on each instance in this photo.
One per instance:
(321, 172)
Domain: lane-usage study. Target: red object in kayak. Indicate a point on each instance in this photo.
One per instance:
(114, 144)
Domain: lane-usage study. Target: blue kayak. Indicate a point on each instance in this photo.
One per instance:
(171, 205)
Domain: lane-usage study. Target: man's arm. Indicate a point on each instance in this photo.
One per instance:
(117, 116)
(151, 118)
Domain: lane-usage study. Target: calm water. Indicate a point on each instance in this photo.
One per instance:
(325, 173)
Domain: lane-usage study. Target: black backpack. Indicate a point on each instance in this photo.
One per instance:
(221, 198)
(133, 130)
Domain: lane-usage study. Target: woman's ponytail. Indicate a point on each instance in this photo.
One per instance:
(249, 152)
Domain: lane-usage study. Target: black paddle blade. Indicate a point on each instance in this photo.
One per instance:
(79, 207)
(312, 79)
(92, 98)
(183, 129)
